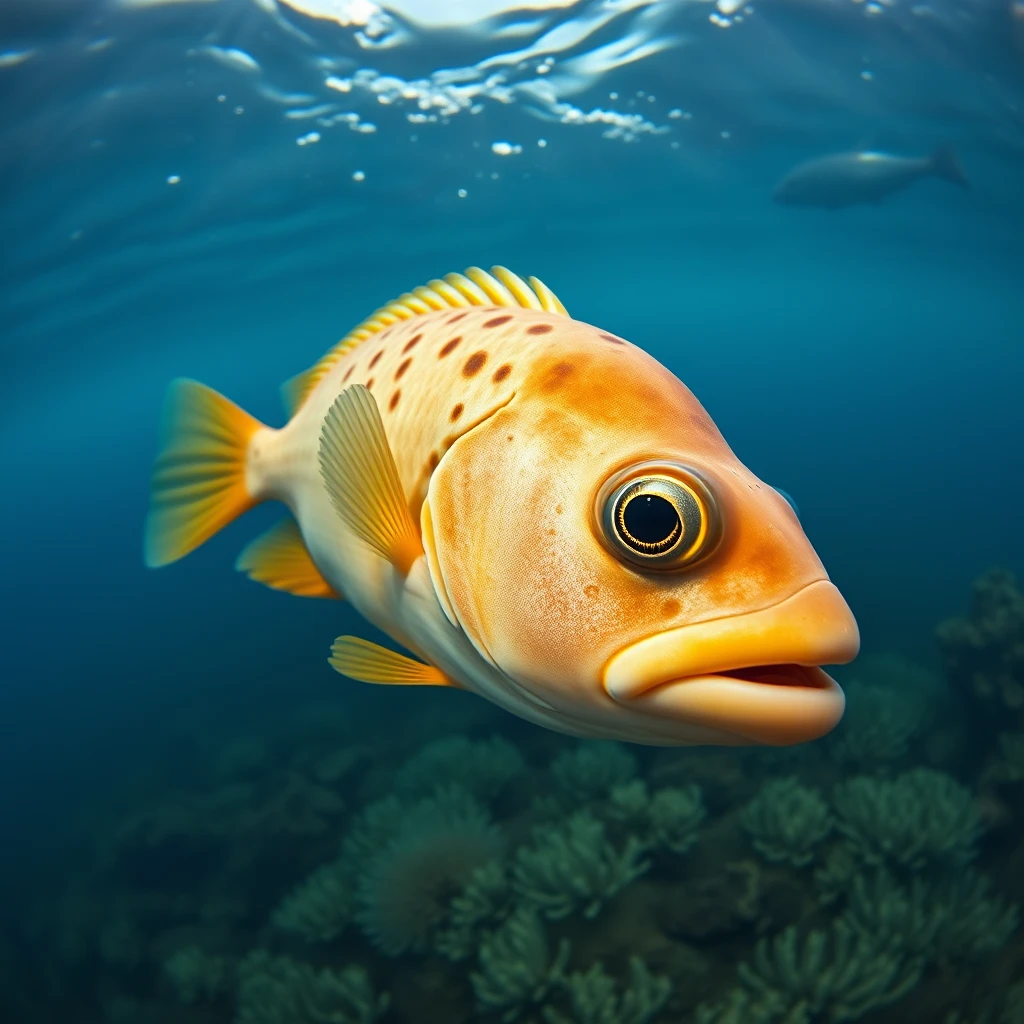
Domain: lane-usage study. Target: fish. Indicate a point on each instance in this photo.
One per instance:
(846, 179)
(535, 509)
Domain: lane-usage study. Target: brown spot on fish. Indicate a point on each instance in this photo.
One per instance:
(501, 373)
(539, 329)
(394, 398)
(670, 609)
(558, 510)
(497, 321)
(348, 373)
(457, 412)
(402, 368)
(449, 347)
(433, 460)
(612, 339)
(412, 343)
(457, 317)
(369, 384)
(474, 364)
(556, 376)
(374, 360)
(591, 591)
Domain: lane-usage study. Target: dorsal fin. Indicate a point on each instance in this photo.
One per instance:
(476, 287)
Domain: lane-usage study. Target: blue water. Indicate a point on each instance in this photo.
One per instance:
(160, 220)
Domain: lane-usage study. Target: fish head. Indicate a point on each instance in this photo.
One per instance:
(599, 542)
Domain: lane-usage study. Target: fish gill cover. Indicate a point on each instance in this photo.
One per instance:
(202, 823)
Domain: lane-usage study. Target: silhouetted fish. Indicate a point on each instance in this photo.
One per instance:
(845, 179)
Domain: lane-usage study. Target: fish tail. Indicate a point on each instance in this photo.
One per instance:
(946, 165)
(199, 481)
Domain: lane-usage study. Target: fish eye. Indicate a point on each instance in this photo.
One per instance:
(658, 515)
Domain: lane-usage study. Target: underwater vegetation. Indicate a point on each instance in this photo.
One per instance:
(308, 877)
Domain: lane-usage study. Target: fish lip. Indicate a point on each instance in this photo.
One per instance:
(751, 711)
(756, 674)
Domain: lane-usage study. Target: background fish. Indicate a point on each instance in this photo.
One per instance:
(538, 509)
(846, 179)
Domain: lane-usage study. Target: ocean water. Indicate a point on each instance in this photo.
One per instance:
(195, 808)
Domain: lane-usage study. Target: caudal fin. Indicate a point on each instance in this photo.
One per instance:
(198, 482)
(946, 165)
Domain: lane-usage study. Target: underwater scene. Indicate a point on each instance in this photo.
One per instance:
(511, 511)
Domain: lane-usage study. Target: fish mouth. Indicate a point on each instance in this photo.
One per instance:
(756, 676)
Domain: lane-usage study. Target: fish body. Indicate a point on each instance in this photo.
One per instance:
(846, 179)
(537, 509)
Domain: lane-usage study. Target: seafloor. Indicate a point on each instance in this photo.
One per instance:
(466, 867)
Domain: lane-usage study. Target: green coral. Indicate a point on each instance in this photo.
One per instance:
(740, 1007)
(483, 768)
(835, 975)
(977, 922)
(834, 877)
(574, 865)
(591, 770)
(595, 999)
(279, 990)
(879, 724)
(485, 902)
(921, 817)
(405, 890)
(668, 819)
(787, 821)
(196, 975)
(516, 968)
(320, 908)
(984, 652)
(895, 916)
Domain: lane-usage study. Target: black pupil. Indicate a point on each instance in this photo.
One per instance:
(650, 518)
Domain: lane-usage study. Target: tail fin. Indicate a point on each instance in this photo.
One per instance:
(199, 480)
(946, 165)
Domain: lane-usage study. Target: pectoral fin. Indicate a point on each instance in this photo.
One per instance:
(362, 480)
(370, 663)
(280, 559)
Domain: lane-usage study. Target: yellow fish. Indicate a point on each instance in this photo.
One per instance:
(538, 509)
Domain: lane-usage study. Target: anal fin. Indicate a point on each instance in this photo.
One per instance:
(280, 560)
(370, 663)
(362, 479)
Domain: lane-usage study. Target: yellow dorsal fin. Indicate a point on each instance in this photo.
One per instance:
(280, 559)
(362, 479)
(476, 287)
(370, 663)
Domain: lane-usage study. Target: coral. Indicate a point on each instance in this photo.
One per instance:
(740, 1007)
(595, 1000)
(835, 875)
(591, 770)
(482, 768)
(668, 819)
(320, 908)
(196, 975)
(920, 817)
(787, 821)
(1008, 763)
(375, 826)
(984, 652)
(976, 922)
(485, 902)
(894, 916)
(574, 865)
(278, 990)
(878, 725)
(404, 892)
(836, 974)
(516, 969)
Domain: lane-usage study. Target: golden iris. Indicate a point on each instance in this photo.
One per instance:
(659, 516)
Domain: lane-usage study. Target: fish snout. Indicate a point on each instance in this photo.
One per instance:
(755, 675)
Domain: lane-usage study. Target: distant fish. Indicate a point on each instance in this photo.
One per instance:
(845, 179)
(539, 510)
